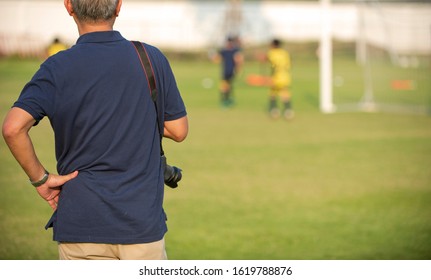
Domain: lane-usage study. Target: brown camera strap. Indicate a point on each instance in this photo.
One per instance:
(149, 74)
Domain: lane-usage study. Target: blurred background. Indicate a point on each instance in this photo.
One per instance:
(28, 26)
(391, 33)
(352, 184)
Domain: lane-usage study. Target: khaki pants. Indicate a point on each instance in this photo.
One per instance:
(95, 251)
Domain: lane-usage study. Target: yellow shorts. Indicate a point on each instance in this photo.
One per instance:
(281, 80)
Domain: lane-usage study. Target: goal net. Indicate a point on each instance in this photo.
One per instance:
(388, 68)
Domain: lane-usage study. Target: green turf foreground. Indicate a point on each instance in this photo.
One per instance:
(338, 186)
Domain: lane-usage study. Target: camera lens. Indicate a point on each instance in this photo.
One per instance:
(172, 176)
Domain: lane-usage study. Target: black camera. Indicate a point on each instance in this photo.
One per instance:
(172, 174)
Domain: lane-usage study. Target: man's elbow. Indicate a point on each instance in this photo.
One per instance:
(9, 131)
(16, 123)
(177, 130)
(180, 136)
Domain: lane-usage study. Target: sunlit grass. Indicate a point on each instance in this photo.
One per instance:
(340, 186)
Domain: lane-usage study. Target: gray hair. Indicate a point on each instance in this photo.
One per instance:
(94, 10)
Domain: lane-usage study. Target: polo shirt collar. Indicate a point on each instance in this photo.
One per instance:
(100, 37)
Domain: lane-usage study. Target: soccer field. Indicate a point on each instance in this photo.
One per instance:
(338, 186)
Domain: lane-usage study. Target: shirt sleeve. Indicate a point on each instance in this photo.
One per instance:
(174, 104)
(169, 94)
(37, 96)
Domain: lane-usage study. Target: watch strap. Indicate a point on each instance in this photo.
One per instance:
(41, 181)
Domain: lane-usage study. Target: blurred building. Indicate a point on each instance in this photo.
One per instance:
(27, 27)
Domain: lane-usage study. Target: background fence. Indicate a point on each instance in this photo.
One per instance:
(26, 27)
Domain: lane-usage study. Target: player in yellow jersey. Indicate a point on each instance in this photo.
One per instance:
(55, 47)
(281, 80)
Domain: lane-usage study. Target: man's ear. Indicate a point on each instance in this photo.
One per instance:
(69, 7)
(117, 11)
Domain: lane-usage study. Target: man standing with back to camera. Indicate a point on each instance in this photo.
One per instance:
(109, 194)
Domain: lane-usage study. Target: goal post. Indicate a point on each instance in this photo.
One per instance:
(325, 56)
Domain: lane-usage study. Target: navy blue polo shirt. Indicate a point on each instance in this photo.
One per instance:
(229, 64)
(97, 100)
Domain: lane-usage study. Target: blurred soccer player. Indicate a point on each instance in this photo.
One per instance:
(279, 59)
(55, 47)
(231, 59)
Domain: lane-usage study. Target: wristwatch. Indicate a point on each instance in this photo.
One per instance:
(41, 181)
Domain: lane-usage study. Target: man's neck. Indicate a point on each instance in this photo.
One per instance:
(84, 28)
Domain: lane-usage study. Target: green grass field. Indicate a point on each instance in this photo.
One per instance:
(339, 186)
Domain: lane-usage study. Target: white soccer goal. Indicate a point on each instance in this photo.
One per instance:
(388, 68)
